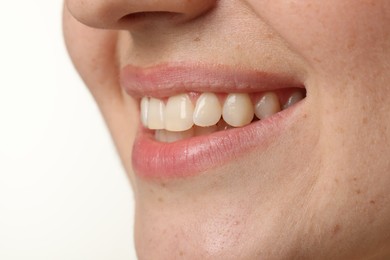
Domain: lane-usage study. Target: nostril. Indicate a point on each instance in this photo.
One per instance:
(149, 16)
(120, 14)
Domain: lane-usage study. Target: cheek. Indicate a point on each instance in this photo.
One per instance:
(338, 29)
(93, 53)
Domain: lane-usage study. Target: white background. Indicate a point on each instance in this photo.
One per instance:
(63, 192)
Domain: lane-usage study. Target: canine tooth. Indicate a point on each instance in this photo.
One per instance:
(156, 112)
(178, 114)
(294, 98)
(144, 111)
(170, 137)
(205, 130)
(208, 110)
(267, 105)
(238, 110)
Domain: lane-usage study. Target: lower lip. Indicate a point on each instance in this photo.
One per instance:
(193, 156)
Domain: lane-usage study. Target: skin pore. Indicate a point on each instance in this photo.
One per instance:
(319, 189)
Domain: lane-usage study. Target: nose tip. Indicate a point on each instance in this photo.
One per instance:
(119, 14)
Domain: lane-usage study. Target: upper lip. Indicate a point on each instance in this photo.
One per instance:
(169, 79)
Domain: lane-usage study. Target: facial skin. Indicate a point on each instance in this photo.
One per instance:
(321, 189)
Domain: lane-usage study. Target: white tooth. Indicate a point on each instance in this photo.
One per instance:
(267, 105)
(144, 111)
(208, 110)
(156, 113)
(179, 113)
(170, 137)
(238, 110)
(294, 98)
(205, 130)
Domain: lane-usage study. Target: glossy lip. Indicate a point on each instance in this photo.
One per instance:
(169, 79)
(156, 160)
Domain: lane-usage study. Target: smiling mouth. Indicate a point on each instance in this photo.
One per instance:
(195, 118)
(196, 114)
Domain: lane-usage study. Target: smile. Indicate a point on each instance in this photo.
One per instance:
(188, 115)
(194, 119)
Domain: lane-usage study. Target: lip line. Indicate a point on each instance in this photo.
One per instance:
(188, 157)
(168, 79)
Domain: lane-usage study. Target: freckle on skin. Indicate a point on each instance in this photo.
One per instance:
(336, 229)
(197, 39)
(372, 202)
(340, 130)
(358, 191)
(317, 60)
(161, 200)
(351, 45)
(269, 36)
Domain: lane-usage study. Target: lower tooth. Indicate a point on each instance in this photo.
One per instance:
(170, 137)
(205, 130)
(159, 135)
(222, 125)
(293, 99)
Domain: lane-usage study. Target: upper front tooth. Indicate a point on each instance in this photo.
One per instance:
(156, 114)
(144, 111)
(238, 110)
(267, 105)
(207, 110)
(179, 113)
(294, 98)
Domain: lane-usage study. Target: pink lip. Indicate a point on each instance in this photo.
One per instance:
(170, 79)
(152, 159)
